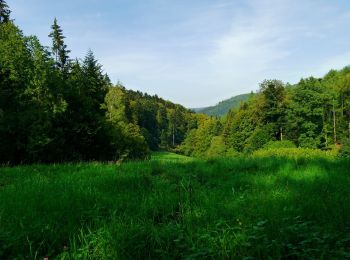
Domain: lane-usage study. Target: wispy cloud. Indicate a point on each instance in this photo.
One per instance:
(199, 52)
(255, 42)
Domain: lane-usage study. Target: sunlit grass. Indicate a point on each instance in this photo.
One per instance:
(177, 207)
(169, 157)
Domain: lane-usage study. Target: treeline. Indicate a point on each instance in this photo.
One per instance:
(315, 113)
(162, 124)
(54, 108)
(224, 106)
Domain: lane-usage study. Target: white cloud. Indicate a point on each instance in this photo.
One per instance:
(276, 39)
(199, 52)
(256, 41)
(262, 39)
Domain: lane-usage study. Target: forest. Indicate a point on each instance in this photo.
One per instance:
(54, 108)
(90, 169)
(312, 114)
(222, 108)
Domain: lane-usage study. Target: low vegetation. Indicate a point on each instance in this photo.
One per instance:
(177, 207)
(295, 153)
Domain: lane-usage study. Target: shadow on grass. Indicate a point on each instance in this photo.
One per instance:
(222, 208)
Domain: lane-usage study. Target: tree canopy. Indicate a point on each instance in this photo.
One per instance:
(54, 108)
(314, 113)
(4, 12)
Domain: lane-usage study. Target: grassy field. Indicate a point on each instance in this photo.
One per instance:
(175, 207)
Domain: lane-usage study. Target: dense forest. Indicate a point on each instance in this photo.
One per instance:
(54, 108)
(315, 113)
(222, 108)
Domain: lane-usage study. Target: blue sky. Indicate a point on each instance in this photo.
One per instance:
(198, 52)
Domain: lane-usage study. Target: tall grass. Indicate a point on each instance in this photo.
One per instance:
(296, 153)
(177, 208)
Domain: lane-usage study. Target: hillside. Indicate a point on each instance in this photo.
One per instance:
(224, 106)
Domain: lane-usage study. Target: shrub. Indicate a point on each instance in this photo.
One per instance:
(231, 152)
(295, 153)
(279, 144)
(217, 147)
(259, 138)
(308, 141)
(345, 149)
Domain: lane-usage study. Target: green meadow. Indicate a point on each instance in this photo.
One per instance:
(175, 207)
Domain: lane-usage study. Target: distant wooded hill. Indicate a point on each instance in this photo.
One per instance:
(224, 106)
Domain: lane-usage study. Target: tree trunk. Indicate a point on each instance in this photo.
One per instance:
(173, 135)
(334, 124)
(281, 131)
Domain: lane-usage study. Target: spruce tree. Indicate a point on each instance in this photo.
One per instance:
(4, 12)
(96, 82)
(59, 48)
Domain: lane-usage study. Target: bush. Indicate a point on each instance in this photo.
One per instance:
(308, 142)
(279, 144)
(231, 152)
(217, 147)
(345, 149)
(259, 138)
(295, 153)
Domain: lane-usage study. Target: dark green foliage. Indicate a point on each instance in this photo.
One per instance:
(311, 114)
(259, 138)
(54, 110)
(240, 125)
(161, 123)
(279, 144)
(83, 122)
(274, 107)
(177, 207)
(345, 149)
(59, 48)
(26, 100)
(224, 106)
(4, 12)
(306, 112)
(46, 115)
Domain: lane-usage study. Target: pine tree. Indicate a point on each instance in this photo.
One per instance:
(96, 85)
(4, 12)
(59, 48)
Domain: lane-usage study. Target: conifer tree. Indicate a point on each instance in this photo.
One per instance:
(96, 85)
(59, 48)
(4, 12)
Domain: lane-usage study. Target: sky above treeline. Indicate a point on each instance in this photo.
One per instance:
(198, 52)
